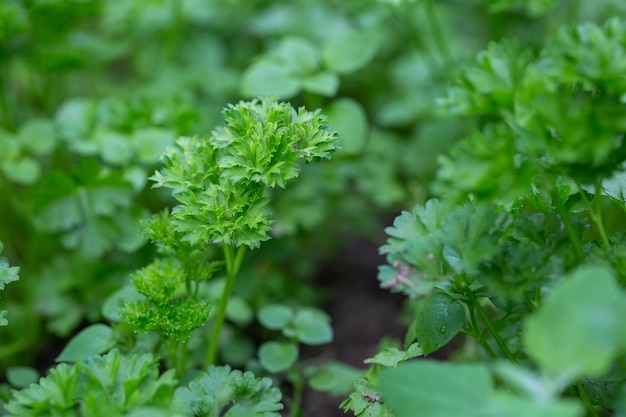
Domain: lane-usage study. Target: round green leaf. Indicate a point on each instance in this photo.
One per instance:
(324, 83)
(439, 320)
(267, 78)
(22, 171)
(335, 378)
(114, 148)
(151, 142)
(22, 376)
(312, 327)
(348, 118)
(92, 340)
(38, 136)
(8, 144)
(299, 55)
(350, 51)
(238, 311)
(278, 357)
(275, 316)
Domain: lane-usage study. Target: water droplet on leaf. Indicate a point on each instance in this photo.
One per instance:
(443, 329)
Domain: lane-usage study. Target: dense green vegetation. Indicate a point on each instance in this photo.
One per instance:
(167, 253)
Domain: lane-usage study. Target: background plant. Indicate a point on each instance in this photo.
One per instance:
(94, 92)
(518, 253)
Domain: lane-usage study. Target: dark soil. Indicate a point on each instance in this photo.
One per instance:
(362, 314)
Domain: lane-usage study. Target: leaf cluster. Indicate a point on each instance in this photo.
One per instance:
(8, 274)
(220, 181)
(165, 309)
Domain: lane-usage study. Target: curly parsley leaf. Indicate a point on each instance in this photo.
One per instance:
(8, 274)
(111, 385)
(221, 180)
(222, 392)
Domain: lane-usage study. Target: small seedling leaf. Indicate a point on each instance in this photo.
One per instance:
(275, 316)
(278, 357)
(92, 340)
(312, 327)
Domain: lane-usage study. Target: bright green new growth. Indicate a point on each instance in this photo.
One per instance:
(111, 385)
(7, 274)
(522, 249)
(221, 180)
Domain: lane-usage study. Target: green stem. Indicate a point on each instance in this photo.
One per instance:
(567, 222)
(478, 335)
(595, 212)
(233, 263)
(172, 349)
(4, 396)
(485, 318)
(296, 401)
(585, 398)
(437, 31)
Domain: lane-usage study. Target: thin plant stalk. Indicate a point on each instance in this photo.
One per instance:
(489, 325)
(233, 263)
(567, 222)
(585, 399)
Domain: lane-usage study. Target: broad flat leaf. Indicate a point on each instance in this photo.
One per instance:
(348, 118)
(439, 320)
(299, 55)
(431, 389)
(24, 170)
(505, 404)
(150, 143)
(580, 327)
(275, 316)
(238, 311)
(335, 378)
(38, 136)
(312, 327)
(268, 78)
(324, 83)
(22, 376)
(114, 147)
(277, 357)
(351, 51)
(92, 340)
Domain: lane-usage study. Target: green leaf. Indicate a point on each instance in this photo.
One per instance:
(298, 54)
(351, 51)
(325, 83)
(579, 329)
(278, 357)
(22, 376)
(268, 78)
(92, 340)
(238, 311)
(348, 118)
(38, 136)
(275, 316)
(431, 389)
(114, 147)
(335, 378)
(438, 321)
(149, 143)
(24, 170)
(391, 356)
(220, 392)
(312, 327)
